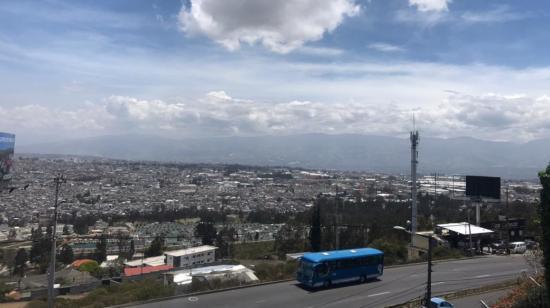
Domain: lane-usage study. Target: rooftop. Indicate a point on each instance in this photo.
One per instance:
(340, 254)
(464, 228)
(134, 271)
(188, 251)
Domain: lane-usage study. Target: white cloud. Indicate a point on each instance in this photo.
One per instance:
(280, 26)
(487, 116)
(320, 51)
(499, 14)
(430, 5)
(385, 47)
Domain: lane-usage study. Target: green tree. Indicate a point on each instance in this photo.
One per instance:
(40, 250)
(224, 238)
(66, 230)
(544, 212)
(156, 248)
(101, 250)
(206, 231)
(21, 259)
(66, 255)
(80, 226)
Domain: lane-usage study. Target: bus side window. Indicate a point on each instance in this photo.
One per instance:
(322, 269)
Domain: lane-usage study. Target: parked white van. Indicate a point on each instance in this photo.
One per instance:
(518, 247)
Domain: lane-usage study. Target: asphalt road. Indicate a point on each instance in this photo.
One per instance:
(397, 285)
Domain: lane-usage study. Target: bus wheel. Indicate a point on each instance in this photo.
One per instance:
(363, 279)
(326, 284)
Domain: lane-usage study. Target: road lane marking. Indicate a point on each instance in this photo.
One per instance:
(436, 283)
(193, 299)
(482, 276)
(378, 294)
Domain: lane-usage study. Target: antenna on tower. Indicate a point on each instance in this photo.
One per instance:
(414, 162)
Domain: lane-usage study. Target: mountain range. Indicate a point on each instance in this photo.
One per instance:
(320, 151)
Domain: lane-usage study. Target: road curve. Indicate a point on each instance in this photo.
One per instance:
(397, 285)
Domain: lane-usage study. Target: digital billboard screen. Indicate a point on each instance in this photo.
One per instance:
(7, 145)
(483, 186)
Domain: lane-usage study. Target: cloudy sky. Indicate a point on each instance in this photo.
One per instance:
(198, 68)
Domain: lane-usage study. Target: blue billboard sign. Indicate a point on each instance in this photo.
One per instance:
(7, 146)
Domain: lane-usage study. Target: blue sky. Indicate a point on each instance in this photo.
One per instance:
(71, 69)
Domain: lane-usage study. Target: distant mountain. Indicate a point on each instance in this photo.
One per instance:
(343, 152)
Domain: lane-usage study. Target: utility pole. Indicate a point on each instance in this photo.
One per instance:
(507, 224)
(429, 283)
(58, 180)
(338, 221)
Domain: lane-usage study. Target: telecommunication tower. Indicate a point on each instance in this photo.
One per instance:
(414, 162)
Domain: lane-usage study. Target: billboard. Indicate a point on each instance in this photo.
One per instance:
(483, 186)
(7, 145)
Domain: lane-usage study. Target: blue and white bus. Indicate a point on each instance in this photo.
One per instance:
(318, 269)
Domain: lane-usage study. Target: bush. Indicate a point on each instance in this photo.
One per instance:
(114, 295)
(252, 250)
(394, 252)
(91, 267)
(276, 271)
(525, 295)
(441, 252)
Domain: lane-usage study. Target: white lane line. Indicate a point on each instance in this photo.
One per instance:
(482, 276)
(436, 283)
(378, 294)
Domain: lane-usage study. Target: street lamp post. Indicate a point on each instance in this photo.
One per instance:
(428, 295)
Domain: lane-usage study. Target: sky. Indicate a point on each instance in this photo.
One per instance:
(209, 68)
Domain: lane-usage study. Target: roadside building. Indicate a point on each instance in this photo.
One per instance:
(238, 273)
(191, 256)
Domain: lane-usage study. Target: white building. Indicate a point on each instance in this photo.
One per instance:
(191, 256)
(222, 272)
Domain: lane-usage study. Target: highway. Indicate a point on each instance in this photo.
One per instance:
(397, 285)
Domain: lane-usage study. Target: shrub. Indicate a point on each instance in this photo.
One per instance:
(114, 295)
(275, 271)
(394, 252)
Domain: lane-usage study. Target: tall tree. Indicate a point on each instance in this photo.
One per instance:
(101, 250)
(544, 212)
(315, 229)
(21, 259)
(40, 249)
(224, 238)
(66, 230)
(156, 248)
(80, 226)
(206, 231)
(66, 255)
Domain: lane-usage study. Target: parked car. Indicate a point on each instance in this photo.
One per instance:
(437, 302)
(531, 244)
(498, 248)
(518, 247)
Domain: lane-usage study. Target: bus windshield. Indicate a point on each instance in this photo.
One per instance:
(307, 268)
